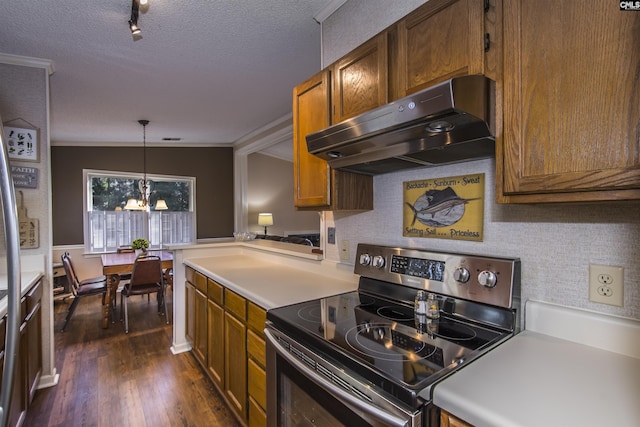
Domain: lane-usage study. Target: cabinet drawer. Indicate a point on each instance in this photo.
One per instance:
(256, 348)
(189, 274)
(257, 317)
(257, 383)
(257, 415)
(235, 304)
(196, 278)
(201, 282)
(34, 296)
(215, 291)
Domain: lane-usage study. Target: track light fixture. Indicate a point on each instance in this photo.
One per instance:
(135, 11)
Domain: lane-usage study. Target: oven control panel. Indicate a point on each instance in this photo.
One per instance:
(485, 279)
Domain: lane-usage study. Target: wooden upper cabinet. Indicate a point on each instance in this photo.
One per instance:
(310, 114)
(359, 80)
(443, 39)
(316, 185)
(570, 103)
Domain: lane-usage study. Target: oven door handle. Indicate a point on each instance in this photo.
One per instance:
(369, 413)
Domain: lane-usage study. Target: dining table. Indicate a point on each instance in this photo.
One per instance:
(115, 264)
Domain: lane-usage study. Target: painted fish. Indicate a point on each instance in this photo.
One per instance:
(438, 208)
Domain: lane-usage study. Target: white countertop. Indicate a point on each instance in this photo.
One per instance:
(269, 284)
(536, 379)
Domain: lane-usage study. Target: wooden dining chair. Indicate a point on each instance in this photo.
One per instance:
(81, 288)
(125, 249)
(146, 278)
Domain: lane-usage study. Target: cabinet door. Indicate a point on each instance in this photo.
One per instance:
(257, 415)
(190, 302)
(200, 348)
(215, 343)
(359, 80)
(257, 383)
(440, 40)
(571, 109)
(235, 335)
(33, 357)
(18, 402)
(310, 114)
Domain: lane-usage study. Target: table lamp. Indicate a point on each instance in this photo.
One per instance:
(265, 219)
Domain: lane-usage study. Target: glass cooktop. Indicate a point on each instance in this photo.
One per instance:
(371, 334)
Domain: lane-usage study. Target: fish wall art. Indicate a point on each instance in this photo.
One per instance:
(445, 208)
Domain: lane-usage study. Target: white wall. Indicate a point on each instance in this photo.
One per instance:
(555, 242)
(270, 189)
(24, 102)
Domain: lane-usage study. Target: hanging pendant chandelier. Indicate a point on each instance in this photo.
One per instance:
(144, 185)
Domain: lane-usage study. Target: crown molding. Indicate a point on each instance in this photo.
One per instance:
(27, 61)
(328, 10)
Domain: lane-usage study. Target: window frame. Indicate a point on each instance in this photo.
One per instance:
(87, 202)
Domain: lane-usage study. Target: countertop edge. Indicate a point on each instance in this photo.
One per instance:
(291, 249)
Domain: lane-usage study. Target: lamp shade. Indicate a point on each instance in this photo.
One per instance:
(132, 205)
(265, 219)
(161, 205)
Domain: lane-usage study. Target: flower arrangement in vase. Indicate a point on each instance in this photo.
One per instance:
(140, 245)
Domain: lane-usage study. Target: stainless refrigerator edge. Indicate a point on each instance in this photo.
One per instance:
(10, 253)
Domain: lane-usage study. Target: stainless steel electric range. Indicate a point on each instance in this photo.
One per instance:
(374, 356)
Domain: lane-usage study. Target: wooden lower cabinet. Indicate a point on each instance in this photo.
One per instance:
(256, 366)
(234, 354)
(449, 420)
(200, 339)
(235, 332)
(215, 343)
(257, 415)
(33, 352)
(190, 317)
(29, 363)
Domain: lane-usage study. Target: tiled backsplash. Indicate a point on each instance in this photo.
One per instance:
(555, 242)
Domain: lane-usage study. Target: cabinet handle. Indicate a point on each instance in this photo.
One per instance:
(487, 42)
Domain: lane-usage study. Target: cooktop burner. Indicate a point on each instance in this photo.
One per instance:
(395, 312)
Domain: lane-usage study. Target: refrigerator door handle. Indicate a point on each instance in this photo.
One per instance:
(12, 234)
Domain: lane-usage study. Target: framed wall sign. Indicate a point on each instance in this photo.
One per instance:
(24, 177)
(22, 144)
(444, 208)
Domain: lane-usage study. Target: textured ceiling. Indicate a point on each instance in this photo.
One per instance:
(206, 71)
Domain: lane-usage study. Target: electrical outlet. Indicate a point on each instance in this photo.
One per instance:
(344, 249)
(606, 284)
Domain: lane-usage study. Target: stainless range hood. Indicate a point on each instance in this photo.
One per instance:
(445, 123)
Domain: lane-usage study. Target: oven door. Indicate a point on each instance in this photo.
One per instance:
(298, 395)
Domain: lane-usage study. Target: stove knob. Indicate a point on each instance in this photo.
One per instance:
(461, 275)
(487, 278)
(365, 259)
(378, 261)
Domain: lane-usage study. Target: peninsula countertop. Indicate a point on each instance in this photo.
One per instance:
(28, 279)
(585, 375)
(269, 284)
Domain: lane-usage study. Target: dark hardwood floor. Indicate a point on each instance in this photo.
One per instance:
(109, 378)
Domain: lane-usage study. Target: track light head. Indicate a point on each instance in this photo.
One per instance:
(133, 22)
(135, 30)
